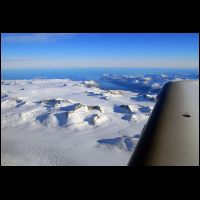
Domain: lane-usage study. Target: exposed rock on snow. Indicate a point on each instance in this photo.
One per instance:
(125, 108)
(58, 102)
(106, 95)
(77, 85)
(97, 119)
(144, 97)
(13, 102)
(54, 101)
(93, 94)
(115, 92)
(95, 108)
(128, 109)
(90, 83)
(82, 113)
(78, 106)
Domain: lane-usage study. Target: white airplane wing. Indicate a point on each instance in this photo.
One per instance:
(171, 135)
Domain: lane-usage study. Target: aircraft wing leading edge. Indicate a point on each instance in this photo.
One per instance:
(171, 135)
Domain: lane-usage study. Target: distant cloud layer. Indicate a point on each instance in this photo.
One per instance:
(34, 37)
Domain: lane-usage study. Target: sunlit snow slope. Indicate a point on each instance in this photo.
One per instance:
(64, 122)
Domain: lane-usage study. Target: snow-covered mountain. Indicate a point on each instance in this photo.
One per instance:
(148, 83)
(64, 122)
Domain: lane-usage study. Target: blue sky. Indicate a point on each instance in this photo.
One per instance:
(59, 50)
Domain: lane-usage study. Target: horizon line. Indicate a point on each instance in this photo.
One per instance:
(101, 67)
